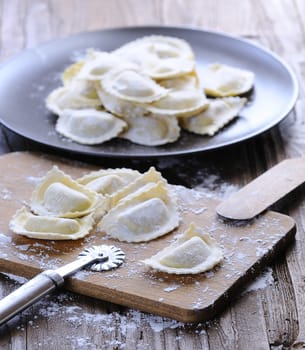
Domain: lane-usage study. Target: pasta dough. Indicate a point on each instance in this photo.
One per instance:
(143, 216)
(100, 63)
(49, 227)
(126, 204)
(220, 80)
(132, 85)
(220, 112)
(151, 84)
(180, 103)
(59, 195)
(109, 181)
(185, 82)
(119, 106)
(146, 180)
(89, 126)
(193, 252)
(151, 130)
(160, 57)
(76, 95)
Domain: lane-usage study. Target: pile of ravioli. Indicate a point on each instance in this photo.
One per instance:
(123, 204)
(146, 91)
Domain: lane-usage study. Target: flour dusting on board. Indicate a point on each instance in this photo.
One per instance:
(126, 332)
(121, 328)
(6, 194)
(207, 182)
(264, 280)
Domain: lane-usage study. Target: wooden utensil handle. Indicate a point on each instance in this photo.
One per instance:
(264, 191)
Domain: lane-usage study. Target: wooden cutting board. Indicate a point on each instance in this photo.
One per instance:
(188, 298)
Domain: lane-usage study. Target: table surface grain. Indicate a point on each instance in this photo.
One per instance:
(270, 313)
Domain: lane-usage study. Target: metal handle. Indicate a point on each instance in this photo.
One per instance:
(28, 294)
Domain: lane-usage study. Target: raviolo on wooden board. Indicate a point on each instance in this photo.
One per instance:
(188, 298)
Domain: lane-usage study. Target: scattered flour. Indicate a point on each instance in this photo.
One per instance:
(4, 239)
(17, 279)
(34, 180)
(171, 288)
(6, 194)
(202, 180)
(115, 329)
(264, 280)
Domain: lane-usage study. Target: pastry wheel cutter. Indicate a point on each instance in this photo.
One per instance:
(99, 258)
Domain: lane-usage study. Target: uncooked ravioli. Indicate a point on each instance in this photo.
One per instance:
(146, 180)
(143, 216)
(99, 63)
(119, 106)
(147, 84)
(161, 46)
(185, 82)
(75, 95)
(168, 68)
(160, 57)
(193, 252)
(132, 85)
(71, 72)
(109, 181)
(180, 103)
(89, 126)
(59, 195)
(48, 227)
(220, 80)
(151, 130)
(219, 112)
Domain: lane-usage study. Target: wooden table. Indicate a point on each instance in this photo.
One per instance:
(271, 313)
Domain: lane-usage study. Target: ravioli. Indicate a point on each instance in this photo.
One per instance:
(162, 47)
(59, 195)
(220, 112)
(109, 181)
(145, 180)
(89, 126)
(148, 87)
(193, 252)
(180, 103)
(132, 85)
(71, 72)
(76, 95)
(120, 107)
(141, 217)
(48, 227)
(151, 130)
(159, 56)
(168, 68)
(220, 80)
(185, 82)
(99, 63)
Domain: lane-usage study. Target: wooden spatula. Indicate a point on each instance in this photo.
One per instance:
(264, 191)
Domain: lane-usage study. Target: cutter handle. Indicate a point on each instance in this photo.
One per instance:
(28, 294)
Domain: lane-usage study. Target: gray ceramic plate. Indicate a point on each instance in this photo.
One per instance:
(28, 78)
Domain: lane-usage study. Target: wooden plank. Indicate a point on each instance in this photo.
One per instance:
(211, 15)
(263, 22)
(280, 309)
(284, 34)
(12, 36)
(294, 145)
(279, 22)
(246, 249)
